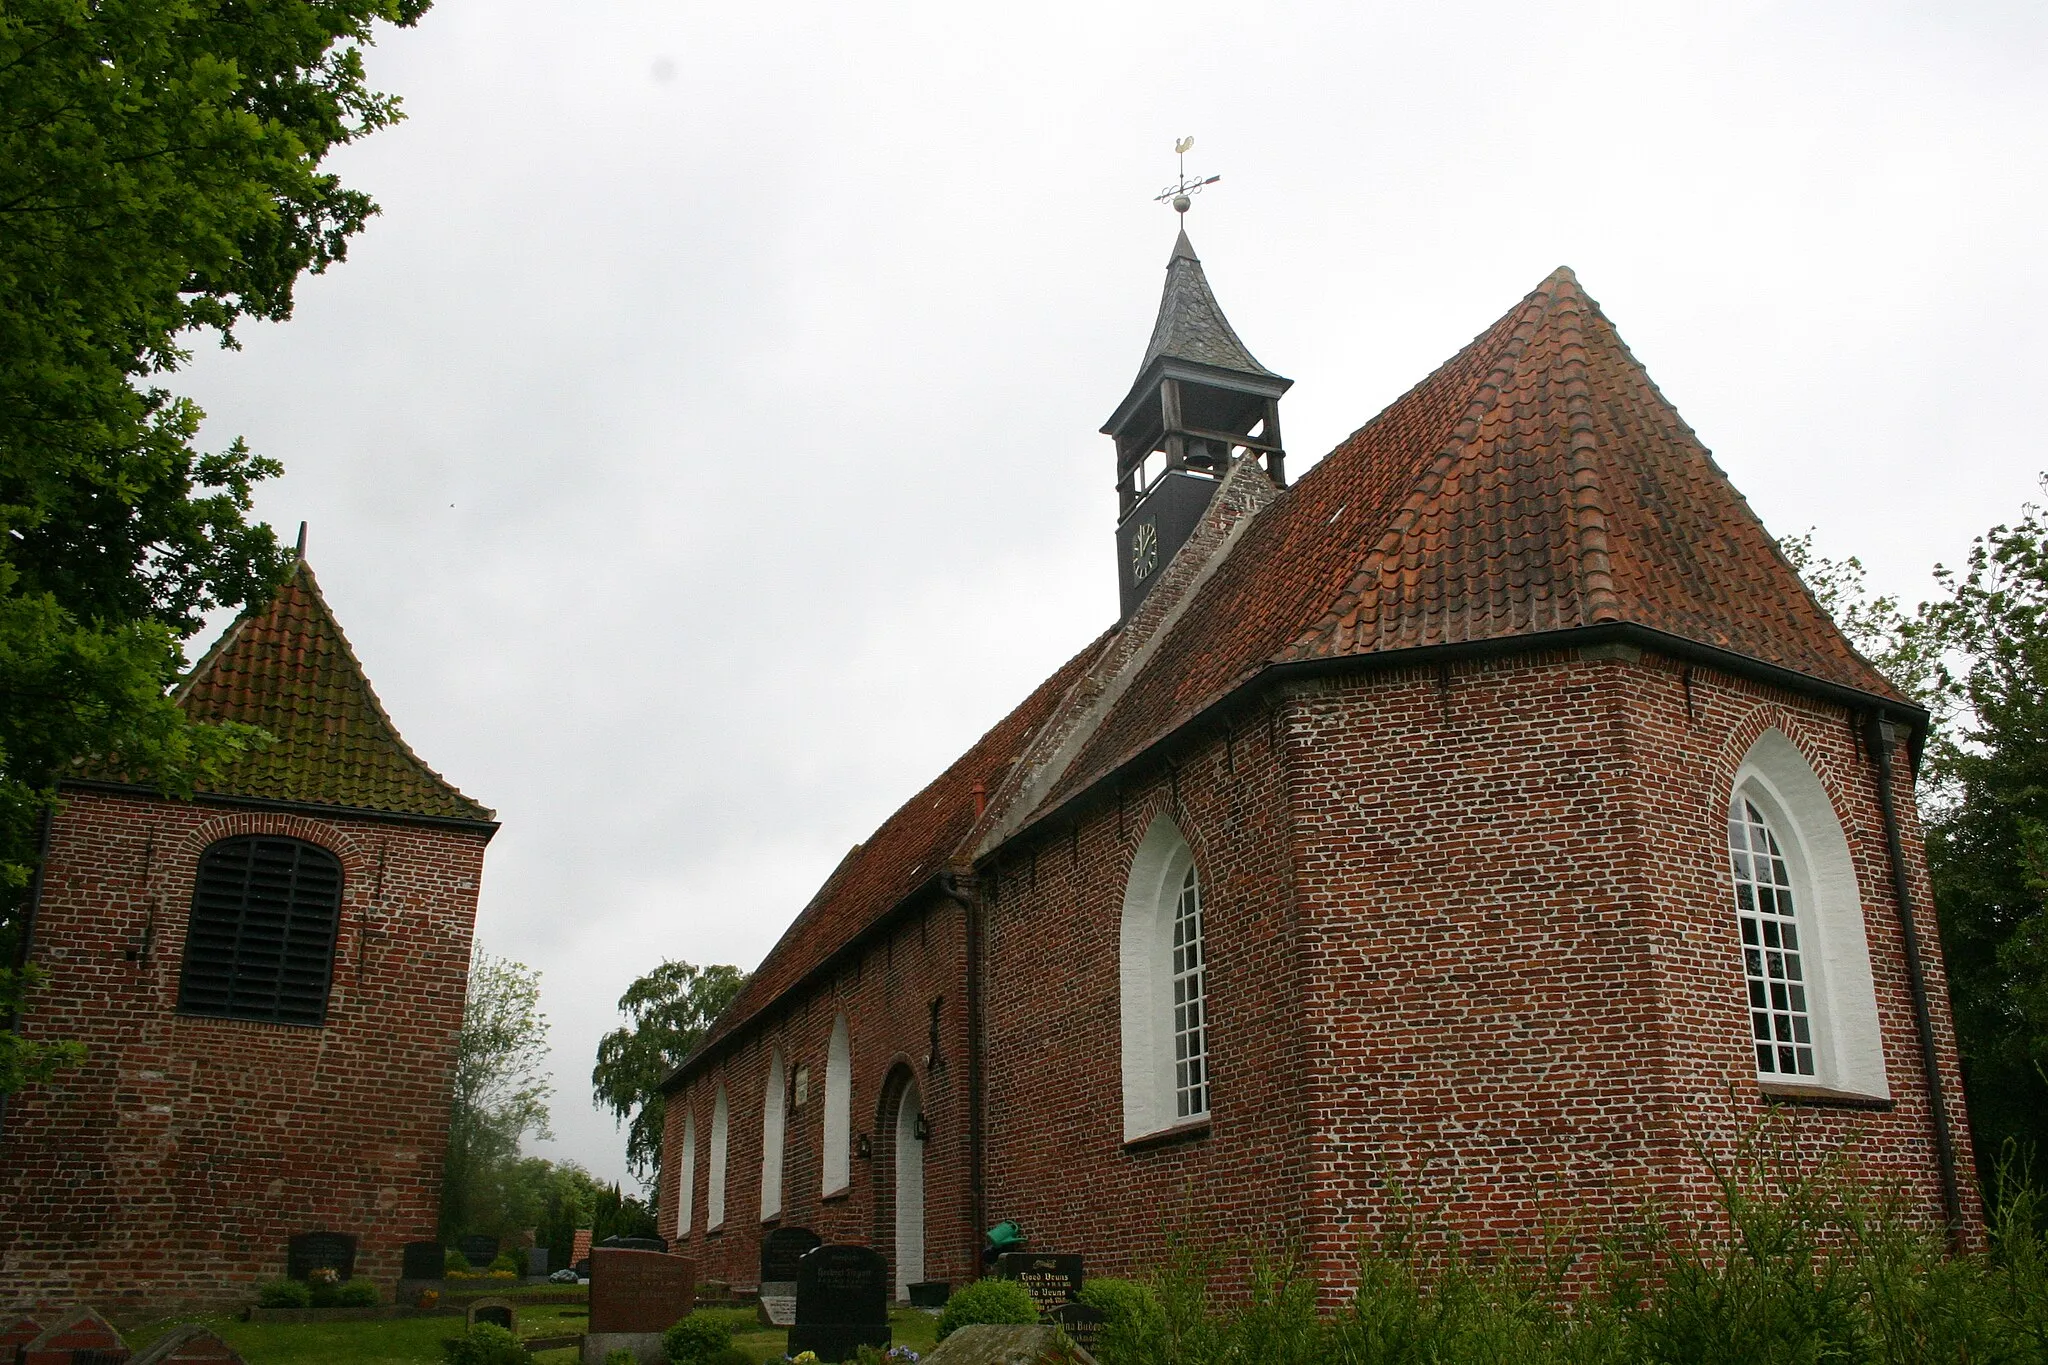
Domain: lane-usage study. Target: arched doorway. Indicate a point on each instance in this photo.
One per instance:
(909, 1190)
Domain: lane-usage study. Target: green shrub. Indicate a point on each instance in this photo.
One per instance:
(987, 1301)
(285, 1294)
(356, 1294)
(454, 1261)
(486, 1344)
(1134, 1325)
(696, 1339)
(508, 1262)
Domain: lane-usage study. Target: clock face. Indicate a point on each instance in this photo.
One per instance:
(1144, 551)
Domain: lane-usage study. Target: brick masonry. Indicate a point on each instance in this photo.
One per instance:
(174, 1165)
(1472, 952)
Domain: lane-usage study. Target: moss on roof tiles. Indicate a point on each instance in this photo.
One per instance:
(286, 666)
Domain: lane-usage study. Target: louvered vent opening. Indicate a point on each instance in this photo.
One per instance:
(261, 944)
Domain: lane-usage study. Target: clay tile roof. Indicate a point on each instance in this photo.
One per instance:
(286, 666)
(1537, 481)
(1190, 325)
(915, 844)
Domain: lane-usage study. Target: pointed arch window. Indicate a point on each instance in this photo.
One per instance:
(1809, 1001)
(774, 1125)
(260, 942)
(838, 1109)
(686, 1188)
(714, 1193)
(1164, 987)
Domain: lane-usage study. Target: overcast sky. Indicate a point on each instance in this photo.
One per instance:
(701, 449)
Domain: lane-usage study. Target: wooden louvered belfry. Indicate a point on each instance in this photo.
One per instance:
(261, 943)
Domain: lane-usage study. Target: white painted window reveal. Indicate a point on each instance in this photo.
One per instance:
(686, 1187)
(838, 1109)
(1163, 982)
(774, 1125)
(714, 1198)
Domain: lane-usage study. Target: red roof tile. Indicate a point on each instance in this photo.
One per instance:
(287, 667)
(911, 847)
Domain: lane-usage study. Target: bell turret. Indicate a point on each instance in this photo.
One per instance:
(1200, 405)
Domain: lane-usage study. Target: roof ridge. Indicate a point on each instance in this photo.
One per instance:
(1588, 506)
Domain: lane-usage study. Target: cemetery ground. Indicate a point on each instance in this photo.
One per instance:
(417, 1341)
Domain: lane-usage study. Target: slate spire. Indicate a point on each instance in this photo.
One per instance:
(1191, 325)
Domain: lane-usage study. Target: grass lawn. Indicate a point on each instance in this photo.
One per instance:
(417, 1341)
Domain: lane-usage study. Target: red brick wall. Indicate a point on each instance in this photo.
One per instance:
(1472, 953)
(885, 993)
(177, 1162)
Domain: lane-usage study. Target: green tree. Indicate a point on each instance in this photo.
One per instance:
(671, 1008)
(159, 177)
(500, 1093)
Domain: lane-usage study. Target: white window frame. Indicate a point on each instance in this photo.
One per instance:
(838, 1175)
(1848, 1047)
(774, 1129)
(714, 1195)
(1146, 979)
(686, 1189)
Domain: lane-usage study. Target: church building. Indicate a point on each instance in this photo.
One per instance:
(268, 980)
(1478, 825)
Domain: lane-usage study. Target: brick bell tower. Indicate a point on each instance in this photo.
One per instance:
(1199, 405)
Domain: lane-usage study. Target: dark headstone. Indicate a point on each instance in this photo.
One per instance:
(537, 1262)
(1082, 1324)
(1051, 1279)
(497, 1312)
(930, 1293)
(423, 1261)
(639, 1291)
(311, 1251)
(782, 1248)
(842, 1302)
(479, 1251)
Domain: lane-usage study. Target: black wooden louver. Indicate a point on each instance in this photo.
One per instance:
(261, 942)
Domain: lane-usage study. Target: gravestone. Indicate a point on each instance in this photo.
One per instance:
(479, 1251)
(635, 1296)
(990, 1344)
(79, 1337)
(423, 1261)
(311, 1251)
(781, 1250)
(930, 1293)
(842, 1302)
(537, 1263)
(187, 1344)
(1050, 1278)
(497, 1312)
(1082, 1324)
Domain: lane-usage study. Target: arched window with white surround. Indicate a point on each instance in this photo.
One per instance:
(686, 1187)
(774, 1125)
(714, 1194)
(1809, 999)
(1163, 976)
(838, 1109)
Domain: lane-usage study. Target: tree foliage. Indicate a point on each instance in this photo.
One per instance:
(500, 1092)
(1976, 655)
(670, 1009)
(159, 177)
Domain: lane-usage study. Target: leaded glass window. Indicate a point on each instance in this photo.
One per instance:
(265, 911)
(1190, 1032)
(1779, 1023)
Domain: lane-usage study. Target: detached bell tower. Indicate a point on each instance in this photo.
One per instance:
(1200, 405)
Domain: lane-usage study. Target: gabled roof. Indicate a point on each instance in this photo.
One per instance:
(286, 666)
(1537, 481)
(1190, 325)
(913, 846)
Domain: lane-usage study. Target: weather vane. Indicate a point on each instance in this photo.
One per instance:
(1178, 192)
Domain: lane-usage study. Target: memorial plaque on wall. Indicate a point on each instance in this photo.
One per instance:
(639, 1291)
(842, 1302)
(781, 1249)
(1050, 1279)
(311, 1251)
(423, 1261)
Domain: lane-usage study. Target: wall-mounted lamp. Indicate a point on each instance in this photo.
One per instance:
(922, 1131)
(864, 1147)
